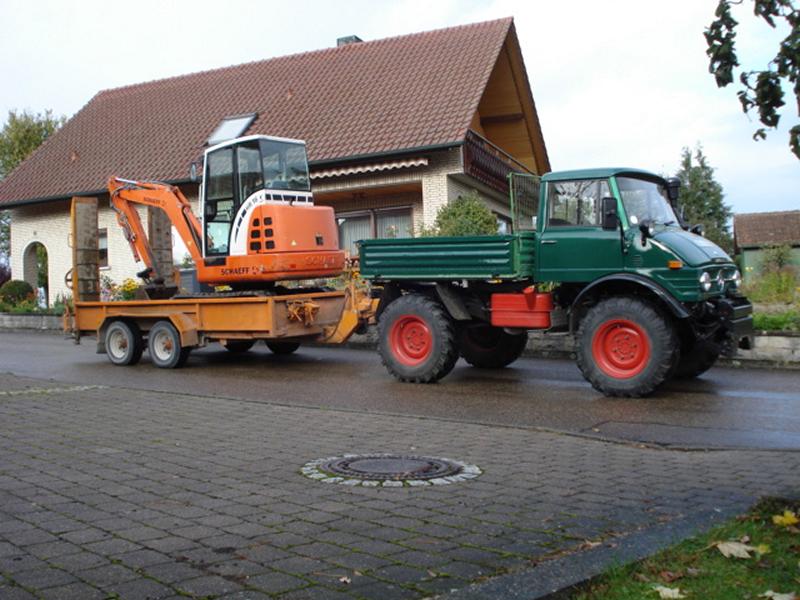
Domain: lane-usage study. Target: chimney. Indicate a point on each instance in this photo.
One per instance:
(350, 39)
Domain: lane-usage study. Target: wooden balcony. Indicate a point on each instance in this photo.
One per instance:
(489, 164)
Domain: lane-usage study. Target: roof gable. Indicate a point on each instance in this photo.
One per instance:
(412, 91)
(760, 229)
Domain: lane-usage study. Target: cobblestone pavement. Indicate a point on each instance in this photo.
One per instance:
(109, 492)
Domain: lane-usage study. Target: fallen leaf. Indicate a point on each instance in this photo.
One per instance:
(735, 549)
(745, 539)
(357, 573)
(588, 545)
(776, 596)
(641, 577)
(763, 549)
(692, 572)
(787, 519)
(667, 593)
(345, 580)
(793, 529)
(670, 576)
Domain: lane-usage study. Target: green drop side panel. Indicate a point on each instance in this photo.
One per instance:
(449, 258)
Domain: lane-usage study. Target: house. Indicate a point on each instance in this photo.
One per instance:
(395, 129)
(752, 232)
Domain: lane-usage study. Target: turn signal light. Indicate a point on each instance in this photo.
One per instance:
(674, 264)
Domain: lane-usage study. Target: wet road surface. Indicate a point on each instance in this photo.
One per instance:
(725, 408)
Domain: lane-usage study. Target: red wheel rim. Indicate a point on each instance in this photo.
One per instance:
(621, 348)
(411, 340)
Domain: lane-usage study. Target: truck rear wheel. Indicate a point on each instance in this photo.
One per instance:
(124, 343)
(488, 347)
(697, 359)
(164, 346)
(626, 347)
(282, 347)
(417, 340)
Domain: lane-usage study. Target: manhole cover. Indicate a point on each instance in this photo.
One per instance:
(389, 470)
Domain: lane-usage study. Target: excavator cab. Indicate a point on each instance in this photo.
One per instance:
(259, 221)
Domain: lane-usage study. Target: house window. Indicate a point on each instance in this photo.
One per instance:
(503, 224)
(375, 223)
(102, 246)
(230, 127)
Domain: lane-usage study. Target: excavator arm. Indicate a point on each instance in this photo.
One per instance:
(126, 193)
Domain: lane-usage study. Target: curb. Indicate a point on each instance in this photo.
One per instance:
(558, 578)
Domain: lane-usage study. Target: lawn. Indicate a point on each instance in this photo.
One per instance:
(767, 538)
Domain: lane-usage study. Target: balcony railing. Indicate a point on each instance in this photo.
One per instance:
(489, 164)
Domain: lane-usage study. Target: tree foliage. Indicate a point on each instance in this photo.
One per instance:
(762, 90)
(20, 136)
(466, 215)
(702, 198)
(776, 258)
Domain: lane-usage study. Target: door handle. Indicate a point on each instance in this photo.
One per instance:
(549, 241)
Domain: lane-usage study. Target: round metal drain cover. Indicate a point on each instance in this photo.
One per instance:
(389, 470)
(399, 468)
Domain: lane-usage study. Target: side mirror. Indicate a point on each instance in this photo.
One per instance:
(673, 189)
(647, 229)
(698, 229)
(210, 211)
(610, 218)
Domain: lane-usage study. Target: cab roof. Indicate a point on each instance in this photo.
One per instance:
(596, 173)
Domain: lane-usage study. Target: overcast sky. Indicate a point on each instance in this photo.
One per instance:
(616, 82)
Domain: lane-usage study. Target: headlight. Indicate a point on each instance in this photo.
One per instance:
(736, 280)
(705, 281)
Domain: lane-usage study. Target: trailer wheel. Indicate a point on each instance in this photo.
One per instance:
(164, 345)
(239, 346)
(282, 347)
(626, 347)
(488, 347)
(124, 344)
(697, 360)
(417, 340)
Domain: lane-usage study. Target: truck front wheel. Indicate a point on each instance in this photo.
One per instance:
(488, 347)
(164, 346)
(626, 347)
(417, 340)
(697, 359)
(282, 347)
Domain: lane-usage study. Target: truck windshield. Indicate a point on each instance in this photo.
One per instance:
(645, 200)
(285, 166)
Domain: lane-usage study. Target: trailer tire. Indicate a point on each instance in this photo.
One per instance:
(697, 359)
(417, 339)
(626, 347)
(164, 346)
(283, 348)
(239, 346)
(124, 343)
(487, 347)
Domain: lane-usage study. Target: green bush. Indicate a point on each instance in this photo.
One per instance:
(15, 291)
(785, 321)
(774, 287)
(466, 215)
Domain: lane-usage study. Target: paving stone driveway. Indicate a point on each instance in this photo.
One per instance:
(107, 492)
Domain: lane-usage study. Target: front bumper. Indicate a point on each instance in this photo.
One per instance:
(736, 322)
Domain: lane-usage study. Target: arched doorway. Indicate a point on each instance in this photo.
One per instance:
(35, 271)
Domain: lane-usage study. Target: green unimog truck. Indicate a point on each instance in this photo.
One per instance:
(599, 253)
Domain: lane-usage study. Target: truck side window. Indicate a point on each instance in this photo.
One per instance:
(576, 203)
(219, 196)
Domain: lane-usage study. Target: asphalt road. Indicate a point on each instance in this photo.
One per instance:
(725, 408)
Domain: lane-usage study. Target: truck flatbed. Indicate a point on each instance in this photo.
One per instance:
(507, 257)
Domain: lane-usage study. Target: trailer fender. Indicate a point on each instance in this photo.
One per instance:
(626, 281)
(187, 328)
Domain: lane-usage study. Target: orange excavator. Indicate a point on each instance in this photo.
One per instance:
(258, 221)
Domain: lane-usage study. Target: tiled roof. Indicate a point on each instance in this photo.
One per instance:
(388, 95)
(757, 229)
